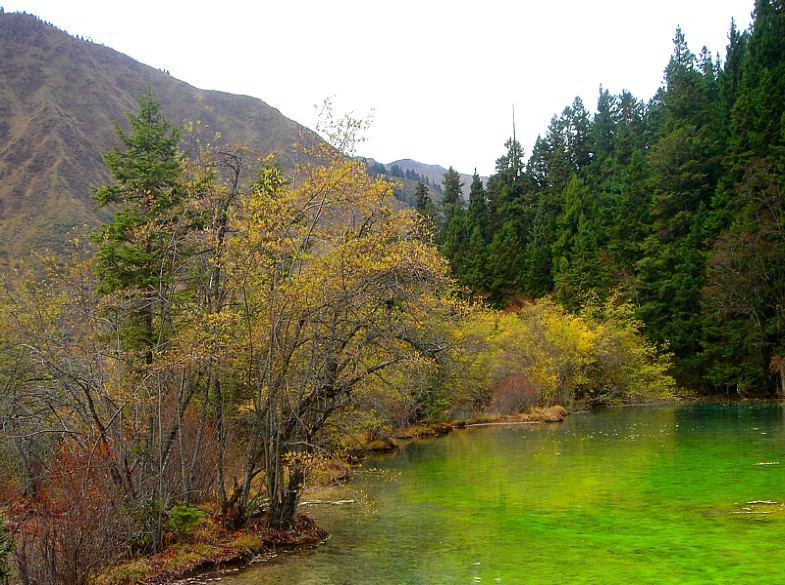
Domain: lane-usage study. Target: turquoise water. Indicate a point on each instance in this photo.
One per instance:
(629, 496)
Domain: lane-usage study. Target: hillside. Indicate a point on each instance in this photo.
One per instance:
(59, 99)
(434, 172)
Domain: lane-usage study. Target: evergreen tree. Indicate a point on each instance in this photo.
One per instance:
(424, 205)
(617, 171)
(757, 114)
(396, 171)
(474, 269)
(746, 291)
(507, 186)
(565, 151)
(478, 205)
(577, 266)
(511, 211)
(731, 73)
(452, 236)
(538, 262)
(453, 188)
(505, 264)
(138, 250)
(603, 134)
(579, 275)
(684, 168)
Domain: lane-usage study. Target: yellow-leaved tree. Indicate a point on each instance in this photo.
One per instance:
(213, 332)
(333, 286)
(543, 355)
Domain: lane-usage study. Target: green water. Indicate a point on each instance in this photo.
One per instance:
(629, 496)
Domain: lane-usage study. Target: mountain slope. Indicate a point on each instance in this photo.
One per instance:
(435, 173)
(59, 99)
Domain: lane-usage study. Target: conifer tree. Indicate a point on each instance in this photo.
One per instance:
(452, 235)
(453, 188)
(538, 262)
(474, 269)
(684, 165)
(478, 205)
(423, 203)
(577, 266)
(137, 251)
(746, 289)
(511, 211)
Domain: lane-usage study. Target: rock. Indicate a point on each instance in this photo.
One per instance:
(555, 414)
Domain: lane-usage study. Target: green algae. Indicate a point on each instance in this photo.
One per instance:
(664, 495)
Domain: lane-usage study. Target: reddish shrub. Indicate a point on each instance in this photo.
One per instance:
(74, 525)
(514, 394)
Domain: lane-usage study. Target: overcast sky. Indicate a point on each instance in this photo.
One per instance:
(437, 78)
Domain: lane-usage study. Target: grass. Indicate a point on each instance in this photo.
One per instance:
(209, 549)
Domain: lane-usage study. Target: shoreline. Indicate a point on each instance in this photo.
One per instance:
(208, 560)
(237, 565)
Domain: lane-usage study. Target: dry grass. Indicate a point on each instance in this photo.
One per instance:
(219, 550)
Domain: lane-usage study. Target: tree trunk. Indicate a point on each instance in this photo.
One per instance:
(284, 507)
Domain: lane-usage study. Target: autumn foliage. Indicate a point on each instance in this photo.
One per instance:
(226, 333)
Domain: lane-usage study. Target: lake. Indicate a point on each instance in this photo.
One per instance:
(657, 495)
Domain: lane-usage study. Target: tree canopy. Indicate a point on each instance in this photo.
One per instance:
(673, 204)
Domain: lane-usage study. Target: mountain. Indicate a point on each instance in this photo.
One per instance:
(59, 99)
(434, 172)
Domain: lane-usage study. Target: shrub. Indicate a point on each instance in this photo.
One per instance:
(513, 395)
(543, 355)
(183, 519)
(6, 547)
(75, 526)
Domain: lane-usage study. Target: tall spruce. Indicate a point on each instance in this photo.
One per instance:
(510, 212)
(684, 167)
(423, 202)
(474, 269)
(138, 250)
(452, 241)
(578, 270)
(746, 292)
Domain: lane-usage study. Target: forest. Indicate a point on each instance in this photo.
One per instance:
(237, 330)
(675, 204)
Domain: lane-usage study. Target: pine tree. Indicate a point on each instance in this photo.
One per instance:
(731, 73)
(507, 187)
(452, 193)
(474, 270)
(452, 237)
(746, 289)
(478, 205)
(137, 251)
(577, 266)
(537, 279)
(511, 210)
(423, 203)
(616, 173)
(684, 169)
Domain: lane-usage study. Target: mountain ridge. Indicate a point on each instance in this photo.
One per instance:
(435, 173)
(60, 97)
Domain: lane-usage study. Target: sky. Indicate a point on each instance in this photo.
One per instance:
(438, 80)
